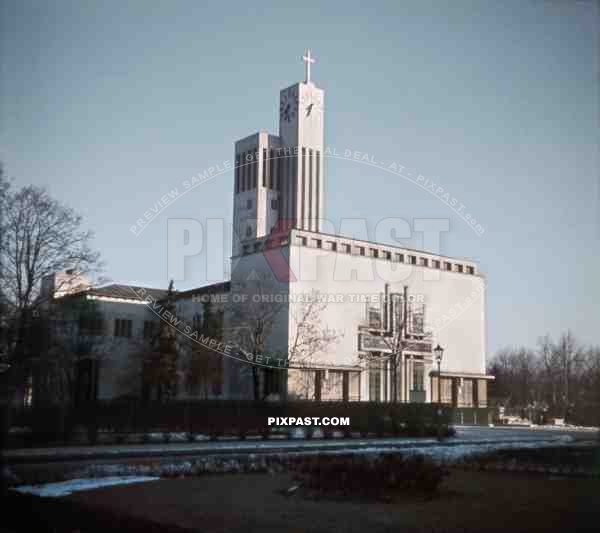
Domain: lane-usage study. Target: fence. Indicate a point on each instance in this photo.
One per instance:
(52, 425)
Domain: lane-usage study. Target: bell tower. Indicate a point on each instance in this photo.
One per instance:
(280, 177)
(301, 126)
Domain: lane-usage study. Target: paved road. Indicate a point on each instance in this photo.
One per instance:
(539, 433)
(465, 435)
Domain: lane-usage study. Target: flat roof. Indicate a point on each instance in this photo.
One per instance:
(395, 246)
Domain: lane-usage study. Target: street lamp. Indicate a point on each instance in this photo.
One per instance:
(438, 352)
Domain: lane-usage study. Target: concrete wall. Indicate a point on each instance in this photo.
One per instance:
(454, 306)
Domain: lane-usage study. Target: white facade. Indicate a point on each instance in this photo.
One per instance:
(358, 279)
(448, 294)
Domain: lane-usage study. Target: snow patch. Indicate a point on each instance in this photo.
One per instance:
(64, 488)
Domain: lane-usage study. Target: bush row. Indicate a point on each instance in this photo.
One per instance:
(50, 425)
(364, 477)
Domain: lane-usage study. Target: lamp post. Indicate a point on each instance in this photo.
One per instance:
(438, 352)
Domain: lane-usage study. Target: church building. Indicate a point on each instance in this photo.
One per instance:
(312, 315)
(349, 319)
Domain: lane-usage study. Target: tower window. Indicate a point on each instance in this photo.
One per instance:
(436, 264)
(318, 185)
(243, 171)
(400, 258)
(388, 256)
(470, 270)
(459, 268)
(448, 266)
(412, 259)
(310, 188)
(248, 203)
(271, 180)
(374, 252)
(274, 204)
(249, 231)
(253, 170)
(424, 261)
(361, 250)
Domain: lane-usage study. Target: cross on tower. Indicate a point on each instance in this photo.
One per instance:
(307, 61)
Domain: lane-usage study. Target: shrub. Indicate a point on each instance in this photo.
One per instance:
(367, 477)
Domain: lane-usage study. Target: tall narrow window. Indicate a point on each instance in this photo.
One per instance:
(293, 179)
(318, 188)
(264, 168)
(374, 316)
(303, 193)
(310, 187)
(416, 318)
(244, 169)
(237, 173)
(271, 170)
(418, 376)
(282, 183)
(375, 382)
(254, 169)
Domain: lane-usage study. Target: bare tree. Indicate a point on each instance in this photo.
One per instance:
(557, 379)
(40, 236)
(309, 339)
(249, 321)
(253, 323)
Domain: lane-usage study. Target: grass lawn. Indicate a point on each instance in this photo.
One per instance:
(468, 501)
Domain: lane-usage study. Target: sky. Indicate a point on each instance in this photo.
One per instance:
(111, 105)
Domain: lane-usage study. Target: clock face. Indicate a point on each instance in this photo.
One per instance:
(312, 104)
(288, 107)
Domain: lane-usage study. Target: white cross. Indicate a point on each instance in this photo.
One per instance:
(307, 61)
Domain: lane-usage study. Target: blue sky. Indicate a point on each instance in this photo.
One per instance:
(112, 104)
